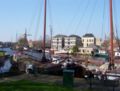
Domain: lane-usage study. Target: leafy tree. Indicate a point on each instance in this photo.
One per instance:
(75, 50)
(106, 43)
(22, 42)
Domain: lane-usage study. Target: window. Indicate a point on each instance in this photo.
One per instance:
(92, 40)
(79, 50)
(117, 54)
(83, 40)
(88, 51)
(89, 40)
(87, 44)
(83, 51)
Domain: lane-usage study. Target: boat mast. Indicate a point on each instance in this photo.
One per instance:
(111, 35)
(51, 34)
(44, 35)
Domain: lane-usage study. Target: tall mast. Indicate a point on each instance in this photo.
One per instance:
(44, 35)
(111, 35)
(51, 33)
(16, 37)
(25, 35)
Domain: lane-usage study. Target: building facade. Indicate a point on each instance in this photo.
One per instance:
(83, 50)
(90, 44)
(88, 50)
(88, 39)
(98, 42)
(72, 40)
(58, 42)
(87, 44)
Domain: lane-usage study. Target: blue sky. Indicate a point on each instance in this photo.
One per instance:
(65, 16)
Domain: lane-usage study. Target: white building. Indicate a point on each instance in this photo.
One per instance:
(72, 40)
(87, 50)
(86, 45)
(58, 42)
(88, 39)
(98, 42)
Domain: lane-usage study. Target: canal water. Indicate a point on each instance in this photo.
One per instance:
(7, 64)
(8, 51)
(38, 56)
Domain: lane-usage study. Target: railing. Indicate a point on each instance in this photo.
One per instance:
(103, 80)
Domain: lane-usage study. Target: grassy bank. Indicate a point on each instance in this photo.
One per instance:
(24, 85)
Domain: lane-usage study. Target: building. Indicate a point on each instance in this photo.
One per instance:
(72, 40)
(7, 44)
(30, 43)
(98, 42)
(87, 44)
(87, 50)
(58, 42)
(1, 44)
(83, 50)
(88, 39)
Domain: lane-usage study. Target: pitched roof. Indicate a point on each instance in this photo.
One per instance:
(88, 35)
(60, 35)
(74, 36)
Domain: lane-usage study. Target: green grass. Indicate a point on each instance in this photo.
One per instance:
(24, 85)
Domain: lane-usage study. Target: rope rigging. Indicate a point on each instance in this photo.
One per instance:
(82, 16)
(71, 23)
(51, 22)
(33, 18)
(50, 13)
(80, 19)
(91, 16)
(37, 15)
(115, 14)
(103, 17)
(38, 21)
(116, 25)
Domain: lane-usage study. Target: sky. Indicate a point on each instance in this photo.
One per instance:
(64, 16)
